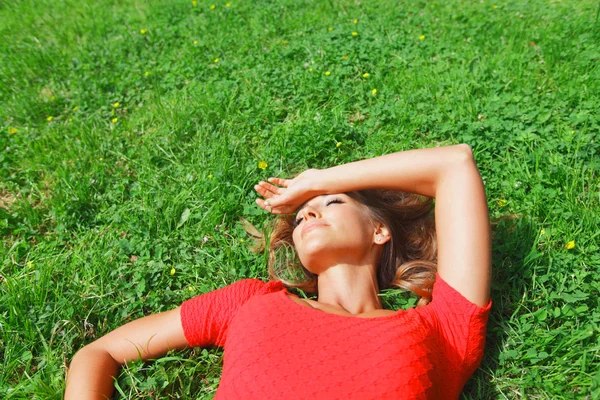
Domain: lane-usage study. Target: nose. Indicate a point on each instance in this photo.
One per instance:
(311, 213)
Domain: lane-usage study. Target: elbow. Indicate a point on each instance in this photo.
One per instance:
(94, 351)
(461, 160)
(83, 356)
(82, 353)
(90, 374)
(464, 156)
(465, 152)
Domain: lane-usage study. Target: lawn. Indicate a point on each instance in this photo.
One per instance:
(132, 133)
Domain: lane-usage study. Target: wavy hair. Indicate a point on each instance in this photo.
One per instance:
(408, 260)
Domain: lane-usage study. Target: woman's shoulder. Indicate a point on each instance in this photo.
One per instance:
(453, 314)
(256, 286)
(444, 294)
(237, 292)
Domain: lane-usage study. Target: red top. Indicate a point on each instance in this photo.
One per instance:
(276, 348)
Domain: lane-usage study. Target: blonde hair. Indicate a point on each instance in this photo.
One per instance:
(408, 260)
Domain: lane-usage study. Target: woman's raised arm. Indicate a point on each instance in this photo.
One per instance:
(94, 367)
(448, 174)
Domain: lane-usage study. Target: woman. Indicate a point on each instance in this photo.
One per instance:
(344, 344)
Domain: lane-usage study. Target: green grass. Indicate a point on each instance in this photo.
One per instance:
(94, 214)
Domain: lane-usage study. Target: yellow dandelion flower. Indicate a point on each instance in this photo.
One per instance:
(494, 6)
(345, 57)
(75, 108)
(191, 288)
(310, 70)
(338, 145)
(355, 21)
(13, 130)
(422, 37)
(195, 42)
(101, 159)
(172, 272)
(365, 75)
(227, 4)
(570, 245)
(212, 6)
(374, 92)
(143, 31)
(354, 33)
(543, 231)
(501, 202)
(49, 118)
(29, 264)
(194, 3)
(328, 73)
(330, 29)
(114, 120)
(146, 73)
(116, 105)
(216, 60)
(263, 165)
(210, 176)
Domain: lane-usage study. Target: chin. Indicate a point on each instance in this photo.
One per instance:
(312, 256)
(319, 256)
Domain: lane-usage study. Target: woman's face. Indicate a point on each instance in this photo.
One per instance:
(332, 229)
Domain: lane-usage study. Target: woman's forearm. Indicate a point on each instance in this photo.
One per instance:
(416, 171)
(91, 375)
(92, 371)
(450, 175)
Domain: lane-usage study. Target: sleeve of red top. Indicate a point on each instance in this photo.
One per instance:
(205, 318)
(461, 325)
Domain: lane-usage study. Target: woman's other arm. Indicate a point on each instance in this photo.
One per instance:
(94, 367)
(448, 174)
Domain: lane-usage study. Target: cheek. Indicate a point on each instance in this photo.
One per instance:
(356, 227)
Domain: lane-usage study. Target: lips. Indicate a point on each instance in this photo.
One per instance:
(310, 226)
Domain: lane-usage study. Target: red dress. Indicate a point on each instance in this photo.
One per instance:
(275, 348)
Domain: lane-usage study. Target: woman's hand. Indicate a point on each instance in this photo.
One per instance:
(289, 194)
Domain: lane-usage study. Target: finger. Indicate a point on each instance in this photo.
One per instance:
(267, 190)
(273, 189)
(261, 204)
(279, 202)
(262, 191)
(272, 202)
(265, 205)
(280, 181)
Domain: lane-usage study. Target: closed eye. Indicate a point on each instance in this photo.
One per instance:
(297, 221)
(334, 201)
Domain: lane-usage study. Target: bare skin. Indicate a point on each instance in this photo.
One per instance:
(343, 250)
(448, 174)
(334, 310)
(342, 246)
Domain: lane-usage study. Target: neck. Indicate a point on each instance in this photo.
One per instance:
(353, 288)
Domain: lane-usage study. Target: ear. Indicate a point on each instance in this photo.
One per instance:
(381, 234)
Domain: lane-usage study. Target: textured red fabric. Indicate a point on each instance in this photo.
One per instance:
(276, 348)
